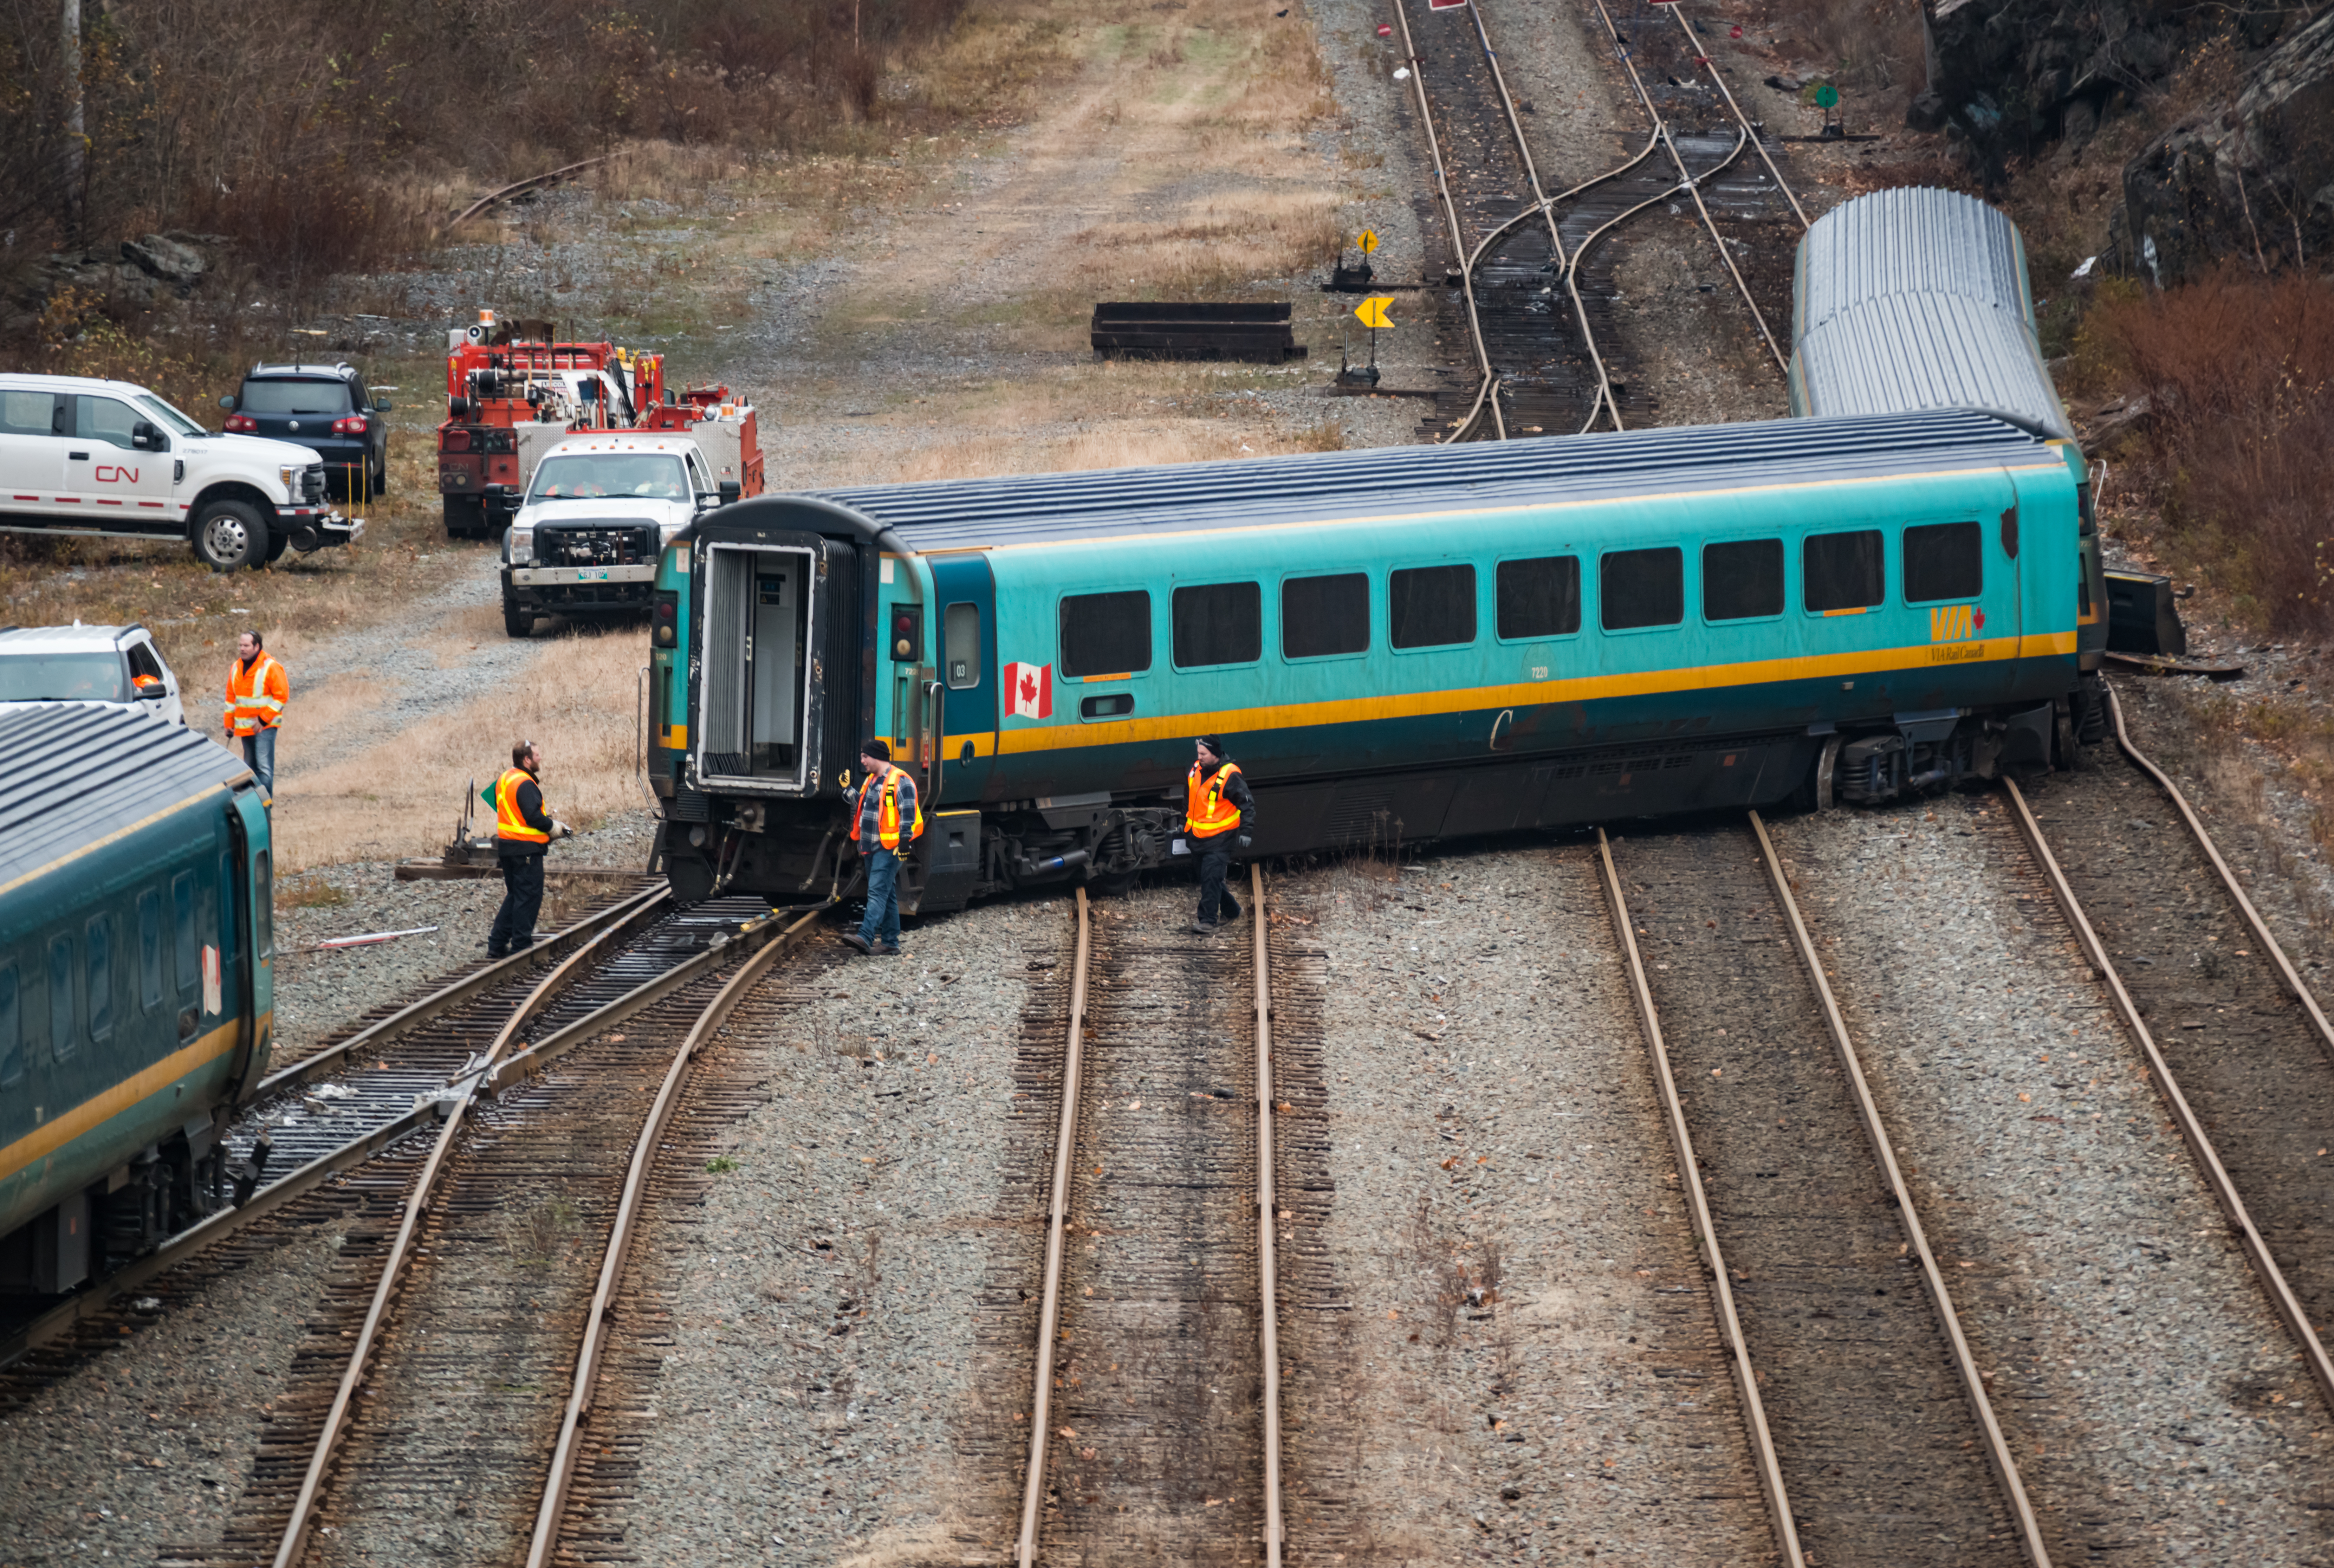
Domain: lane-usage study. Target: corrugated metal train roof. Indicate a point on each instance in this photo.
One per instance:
(1392, 482)
(1908, 241)
(1910, 352)
(72, 775)
(1917, 299)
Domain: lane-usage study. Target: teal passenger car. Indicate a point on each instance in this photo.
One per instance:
(1416, 642)
(135, 1004)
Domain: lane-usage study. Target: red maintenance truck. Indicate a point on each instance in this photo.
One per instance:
(513, 391)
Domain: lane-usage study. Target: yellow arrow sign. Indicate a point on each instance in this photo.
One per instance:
(1367, 241)
(1372, 311)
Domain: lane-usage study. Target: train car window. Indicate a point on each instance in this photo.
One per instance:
(262, 903)
(1430, 606)
(63, 1036)
(1640, 588)
(1320, 616)
(12, 1028)
(1106, 633)
(1538, 598)
(185, 939)
(149, 948)
(1220, 623)
(98, 973)
(1844, 571)
(961, 630)
(1742, 579)
(1944, 560)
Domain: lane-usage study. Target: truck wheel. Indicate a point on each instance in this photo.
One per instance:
(381, 478)
(466, 518)
(518, 621)
(228, 534)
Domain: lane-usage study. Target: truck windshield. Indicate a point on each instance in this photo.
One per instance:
(167, 416)
(589, 475)
(62, 678)
(290, 396)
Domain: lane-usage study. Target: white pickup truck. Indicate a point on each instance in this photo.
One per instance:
(79, 456)
(598, 508)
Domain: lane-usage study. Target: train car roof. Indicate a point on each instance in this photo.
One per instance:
(74, 775)
(1910, 240)
(1395, 481)
(1925, 351)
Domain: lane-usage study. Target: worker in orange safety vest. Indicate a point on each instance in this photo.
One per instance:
(524, 829)
(885, 820)
(1215, 823)
(257, 691)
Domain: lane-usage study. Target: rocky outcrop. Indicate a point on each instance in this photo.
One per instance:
(171, 261)
(2013, 75)
(2250, 177)
(140, 271)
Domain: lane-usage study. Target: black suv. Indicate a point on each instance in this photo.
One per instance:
(325, 409)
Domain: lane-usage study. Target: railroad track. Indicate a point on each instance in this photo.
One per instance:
(1154, 1422)
(2235, 1042)
(1871, 1431)
(416, 1397)
(340, 1105)
(1533, 270)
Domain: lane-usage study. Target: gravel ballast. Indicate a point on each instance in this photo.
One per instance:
(816, 1395)
(1497, 1131)
(2154, 1405)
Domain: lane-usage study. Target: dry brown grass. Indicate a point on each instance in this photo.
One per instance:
(2238, 373)
(1118, 446)
(401, 797)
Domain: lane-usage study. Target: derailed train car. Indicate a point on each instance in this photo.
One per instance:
(1412, 643)
(136, 996)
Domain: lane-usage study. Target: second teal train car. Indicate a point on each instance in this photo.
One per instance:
(1419, 643)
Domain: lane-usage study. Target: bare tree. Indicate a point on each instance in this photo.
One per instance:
(76, 143)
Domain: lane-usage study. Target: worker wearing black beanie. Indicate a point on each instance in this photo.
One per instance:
(1215, 824)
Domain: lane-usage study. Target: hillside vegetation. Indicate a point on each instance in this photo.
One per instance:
(307, 134)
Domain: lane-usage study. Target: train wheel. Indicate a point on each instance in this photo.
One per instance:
(2069, 751)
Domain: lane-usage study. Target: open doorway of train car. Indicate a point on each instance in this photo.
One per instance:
(754, 666)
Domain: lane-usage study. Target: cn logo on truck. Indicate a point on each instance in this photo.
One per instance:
(107, 473)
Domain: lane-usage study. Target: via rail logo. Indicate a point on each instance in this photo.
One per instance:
(1029, 690)
(1955, 623)
(1953, 631)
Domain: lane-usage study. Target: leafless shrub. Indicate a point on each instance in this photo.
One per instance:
(2238, 373)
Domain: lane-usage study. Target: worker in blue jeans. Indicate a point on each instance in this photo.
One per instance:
(888, 819)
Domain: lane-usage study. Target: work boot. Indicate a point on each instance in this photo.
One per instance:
(885, 949)
(1203, 928)
(855, 939)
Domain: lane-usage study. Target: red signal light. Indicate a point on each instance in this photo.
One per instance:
(907, 634)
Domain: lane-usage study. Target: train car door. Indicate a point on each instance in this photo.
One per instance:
(966, 593)
(248, 937)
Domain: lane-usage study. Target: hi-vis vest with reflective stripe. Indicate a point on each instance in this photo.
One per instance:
(1209, 814)
(254, 696)
(887, 813)
(509, 822)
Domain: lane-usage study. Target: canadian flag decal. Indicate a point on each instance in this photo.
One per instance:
(1029, 690)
